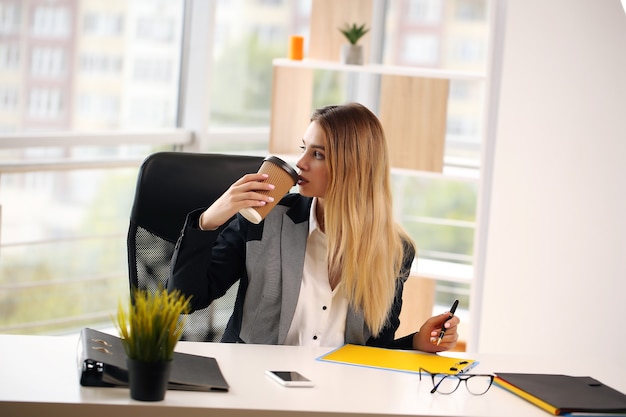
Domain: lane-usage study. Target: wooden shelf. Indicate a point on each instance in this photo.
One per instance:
(377, 69)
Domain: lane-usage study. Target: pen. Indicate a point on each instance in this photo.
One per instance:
(443, 326)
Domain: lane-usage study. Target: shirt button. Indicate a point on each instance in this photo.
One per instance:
(324, 308)
(314, 337)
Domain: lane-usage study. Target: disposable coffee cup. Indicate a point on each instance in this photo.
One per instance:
(283, 176)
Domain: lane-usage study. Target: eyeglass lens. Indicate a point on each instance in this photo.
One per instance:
(476, 384)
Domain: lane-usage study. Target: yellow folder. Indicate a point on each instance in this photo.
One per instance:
(398, 360)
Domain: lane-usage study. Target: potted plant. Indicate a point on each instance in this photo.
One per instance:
(352, 53)
(149, 331)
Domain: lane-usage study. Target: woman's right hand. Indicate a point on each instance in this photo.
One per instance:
(243, 193)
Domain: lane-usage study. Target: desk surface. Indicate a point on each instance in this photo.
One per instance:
(39, 376)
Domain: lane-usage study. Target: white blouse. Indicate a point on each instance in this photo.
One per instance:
(320, 317)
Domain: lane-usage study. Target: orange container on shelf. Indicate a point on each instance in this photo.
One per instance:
(296, 47)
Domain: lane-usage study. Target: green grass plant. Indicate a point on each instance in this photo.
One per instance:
(153, 324)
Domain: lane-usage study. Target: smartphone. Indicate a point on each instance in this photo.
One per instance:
(290, 378)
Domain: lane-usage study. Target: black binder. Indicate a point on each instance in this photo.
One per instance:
(562, 394)
(102, 363)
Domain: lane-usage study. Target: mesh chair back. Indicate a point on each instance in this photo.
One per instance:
(169, 186)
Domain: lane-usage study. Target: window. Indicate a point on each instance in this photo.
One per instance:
(48, 62)
(102, 65)
(467, 51)
(9, 56)
(109, 63)
(8, 99)
(44, 103)
(447, 22)
(456, 43)
(153, 70)
(146, 108)
(121, 70)
(157, 30)
(51, 21)
(102, 24)
(421, 50)
(425, 11)
(471, 10)
(99, 107)
(248, 35)
(10, 16)
(75, 247)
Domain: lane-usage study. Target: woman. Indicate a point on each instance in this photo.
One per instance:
(327, 266)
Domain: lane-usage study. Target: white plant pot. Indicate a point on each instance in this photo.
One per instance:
(352, 54)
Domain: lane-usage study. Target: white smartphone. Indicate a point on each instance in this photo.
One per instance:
(290, 378)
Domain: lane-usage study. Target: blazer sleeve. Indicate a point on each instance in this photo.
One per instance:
(205, 264)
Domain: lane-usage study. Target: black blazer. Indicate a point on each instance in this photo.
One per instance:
(267, 259)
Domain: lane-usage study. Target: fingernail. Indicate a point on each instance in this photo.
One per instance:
(433, 340)
(271, 199)
(271, 186)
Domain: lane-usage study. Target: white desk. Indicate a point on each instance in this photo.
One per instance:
(39, 377)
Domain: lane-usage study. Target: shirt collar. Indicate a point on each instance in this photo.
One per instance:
(313, 225)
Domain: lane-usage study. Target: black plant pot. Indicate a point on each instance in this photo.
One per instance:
(148, 380)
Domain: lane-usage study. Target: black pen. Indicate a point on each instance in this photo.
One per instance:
(443, 326)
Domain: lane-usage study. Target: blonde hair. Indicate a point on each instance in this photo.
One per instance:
(365, 245)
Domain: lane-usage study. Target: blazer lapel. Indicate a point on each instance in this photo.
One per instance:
(293, 247)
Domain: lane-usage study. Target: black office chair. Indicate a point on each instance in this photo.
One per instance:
(169, 186)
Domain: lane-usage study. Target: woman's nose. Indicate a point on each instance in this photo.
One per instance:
(301, 163)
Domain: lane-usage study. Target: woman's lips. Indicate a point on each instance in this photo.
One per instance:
(302, 181)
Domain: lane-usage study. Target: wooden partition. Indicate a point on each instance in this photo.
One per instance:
(418, 300)
(292, 101)
(413, 114)
(416, 308)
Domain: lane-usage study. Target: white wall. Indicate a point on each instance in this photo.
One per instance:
(555, 268)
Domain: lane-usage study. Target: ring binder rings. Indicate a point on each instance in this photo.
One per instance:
(101, 361)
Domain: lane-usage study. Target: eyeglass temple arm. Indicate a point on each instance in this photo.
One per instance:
(435, 386)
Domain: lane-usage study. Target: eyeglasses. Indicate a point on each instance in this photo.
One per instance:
(476, 384)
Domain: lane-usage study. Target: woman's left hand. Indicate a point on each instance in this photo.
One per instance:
(426, 339)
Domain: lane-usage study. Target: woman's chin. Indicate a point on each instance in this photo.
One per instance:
(302, 191)
(305, 193)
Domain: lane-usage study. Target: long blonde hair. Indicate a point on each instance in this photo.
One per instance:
(365, 244)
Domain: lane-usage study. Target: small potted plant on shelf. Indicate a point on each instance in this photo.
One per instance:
(352, 53)
(149, 331)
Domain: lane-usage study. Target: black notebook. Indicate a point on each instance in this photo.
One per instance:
(102, 363)
(559, 394)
